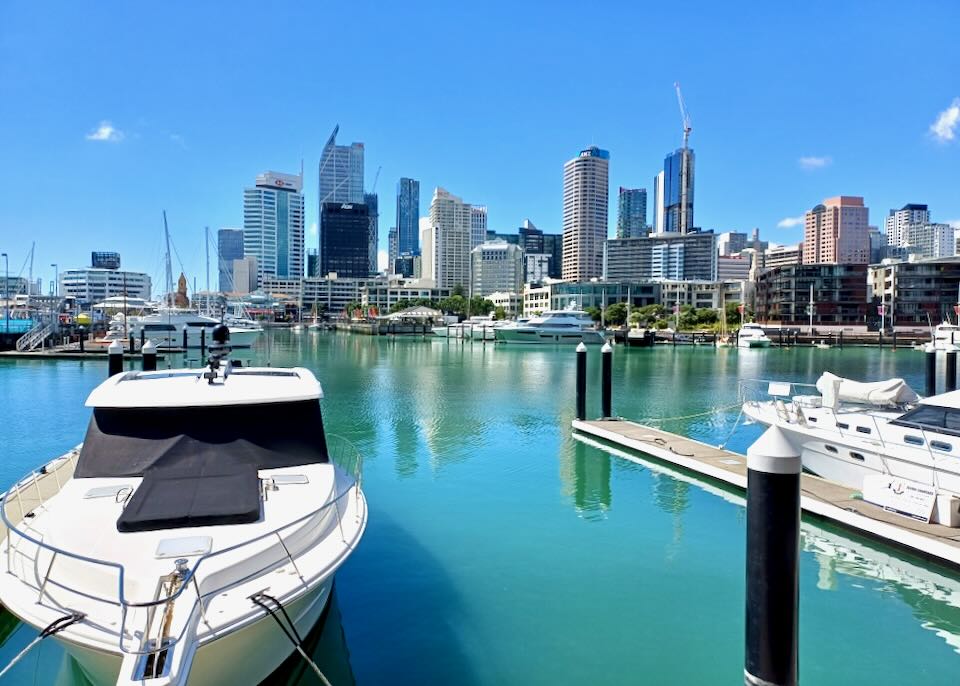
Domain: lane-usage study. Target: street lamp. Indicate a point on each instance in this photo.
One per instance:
(6, 292)
(56, 278)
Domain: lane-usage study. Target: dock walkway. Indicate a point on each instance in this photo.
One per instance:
(820, 497)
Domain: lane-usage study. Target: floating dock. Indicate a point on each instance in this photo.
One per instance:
(819, 497)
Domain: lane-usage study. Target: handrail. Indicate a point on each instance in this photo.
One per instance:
(354, 474)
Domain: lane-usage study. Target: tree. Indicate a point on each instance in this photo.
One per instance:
(401, 304)
(457, 290)
(616, 314)
(594, 313)
(480, 306)
(455, 304)
(733, 314)
(499, 313)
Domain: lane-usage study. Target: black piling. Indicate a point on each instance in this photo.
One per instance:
(606, 381)
(841, 339)
(184, 336)
(133, 347)
(773, 555)
(581, 382)
(149, 352)
(931, 369)
(115, 358)
(950, 380)
(83, 338)
(203, 343)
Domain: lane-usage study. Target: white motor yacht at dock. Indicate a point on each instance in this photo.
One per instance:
(751, 335)
(552, 327)
(850, 432)
(165, 328)
(202, 505)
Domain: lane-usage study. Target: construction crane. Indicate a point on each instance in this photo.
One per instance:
(376, 178)
(684, 116)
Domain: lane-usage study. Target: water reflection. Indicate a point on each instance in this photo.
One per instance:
(585, 476)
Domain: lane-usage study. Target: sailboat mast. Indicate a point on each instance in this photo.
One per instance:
(811, 308)
(169, 274)
(206, 246)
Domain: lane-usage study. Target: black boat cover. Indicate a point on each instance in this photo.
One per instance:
(199, 464)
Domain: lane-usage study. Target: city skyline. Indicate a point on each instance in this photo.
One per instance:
(121, 154)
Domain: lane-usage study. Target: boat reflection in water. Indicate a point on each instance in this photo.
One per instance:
(326, 644)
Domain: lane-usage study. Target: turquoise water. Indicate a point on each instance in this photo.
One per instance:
(502, 551)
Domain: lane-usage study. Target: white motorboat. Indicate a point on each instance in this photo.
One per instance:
(165, 328)
(441, 331)
(552, 327)
(202, 507)
(846, 431)
(946, 337)
(751, 335)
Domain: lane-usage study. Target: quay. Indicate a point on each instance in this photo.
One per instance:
(70, 354)
(819, 497)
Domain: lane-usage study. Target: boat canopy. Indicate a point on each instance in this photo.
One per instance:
(889, 393)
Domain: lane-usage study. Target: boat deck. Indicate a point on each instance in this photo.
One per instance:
(819, 497)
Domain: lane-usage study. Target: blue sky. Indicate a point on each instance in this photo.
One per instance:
(790, 104)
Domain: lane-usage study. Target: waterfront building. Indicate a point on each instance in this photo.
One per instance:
(273, 225)
(839, 295)
(678, 191)
(837, 232)
(734, 267)
(662, 256)
(731, 243)
(917, 293)
(658, 220)
(450, 236)
(330, 294)
(105, 260)
(243, 278)
(931, 240)
(344, 240)
(478, 225)
(384, 294)
(632, 212)
(559, 295)
(896, 222)
(408, 217)
(782, 256)
(511, 302)
(89, 285)
(373, 233)
(229, 248)
(712, 295)
(496, 266)
(585, 201)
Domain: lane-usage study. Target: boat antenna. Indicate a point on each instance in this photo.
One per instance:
(219, 350)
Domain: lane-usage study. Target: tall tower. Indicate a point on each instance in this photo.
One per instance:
(678, 191)
(408, 216)
(450, 240)
(896, 223)
(340, 176)
(371, 200)
(657, 221)
(585, 199)
(632, 212)
(837, 232)
(478, 225)
(273, 222)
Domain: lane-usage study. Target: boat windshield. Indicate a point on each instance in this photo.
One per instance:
(125, 442)
(939, 419)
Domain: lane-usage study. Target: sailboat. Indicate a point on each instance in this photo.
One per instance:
(315, 325)
(724, 340)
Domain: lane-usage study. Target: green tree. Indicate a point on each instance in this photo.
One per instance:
(480, 306)
(733, 314)
(499, 313)
(457, 290)
(594, 312)
(401, 304)
(455, 304)
(616, 314)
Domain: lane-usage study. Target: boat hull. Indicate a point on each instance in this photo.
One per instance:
(530, 336)
(239, 338)
(245, 656)
(742, 343)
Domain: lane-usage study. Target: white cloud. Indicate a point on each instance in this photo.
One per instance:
(790, 222)
(313, 229)
(812, 162)
(105, 132)
(382, 259)
(955, 223)
(945, 128)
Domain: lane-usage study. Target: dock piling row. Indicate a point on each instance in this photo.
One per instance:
(149, 352)
(931, 372)
(606, 381)
(115, 358)
(950, 383)
(581, 382)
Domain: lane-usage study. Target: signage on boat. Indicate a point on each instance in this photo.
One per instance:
(907, 498)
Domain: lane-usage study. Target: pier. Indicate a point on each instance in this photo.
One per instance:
(819, 497)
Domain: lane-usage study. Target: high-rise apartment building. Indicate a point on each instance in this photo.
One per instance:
(393, 244)
(678, 191)
(408, 217)
(340, 176)
(931, 240)
(450, 235)
(478, 225)
(344, 246)
(229, 248)
(670, 256)
(373, 229)
(585, 200)
(896, 222)
(426, 248)
(273, 222)
(837, 232)
(658, 221)
(496, 267)
(632, 213)
(553, 246)
(731, 242)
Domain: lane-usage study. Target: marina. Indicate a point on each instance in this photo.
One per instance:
(667, 543)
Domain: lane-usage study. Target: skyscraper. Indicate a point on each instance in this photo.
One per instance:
(340, 176)
(496, 266)
(657, 222)
(632, 212)
(478, 225)
(229, 248)
(408, 217)
(531, 238)
(393, 245)
(450, 232)
(344, 243)
(678, 191)
(373, 231)
(585, 199)
(837, 232)
(273, 216)
(896, 223)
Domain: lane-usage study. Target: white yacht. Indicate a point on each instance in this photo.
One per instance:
(165, 328)
(946, 337)
(553, 326)
(751, 335)
(203, 507)
(847, 431)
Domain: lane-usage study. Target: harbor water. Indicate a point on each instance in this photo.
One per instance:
(501, 550)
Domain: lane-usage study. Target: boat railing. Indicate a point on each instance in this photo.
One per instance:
(757, 390)
(342, 453)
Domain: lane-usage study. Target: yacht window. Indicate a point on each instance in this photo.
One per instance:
(843, 425)
(863, 429)
(830, 448)
(856, 455)
(940, 419)
(812, 419)
(912, 440)
(941, 446)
